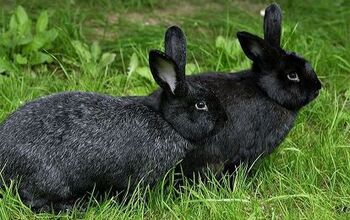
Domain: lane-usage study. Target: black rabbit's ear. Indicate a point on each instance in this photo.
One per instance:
(253, 46)
(175, 46)
(273, 25)
(166, 73)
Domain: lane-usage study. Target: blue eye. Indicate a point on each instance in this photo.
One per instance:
(201, 106)
(293, 77)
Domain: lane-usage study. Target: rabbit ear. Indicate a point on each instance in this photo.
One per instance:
(273, 25)
(166, 73)
(175, 46)
(253, 46)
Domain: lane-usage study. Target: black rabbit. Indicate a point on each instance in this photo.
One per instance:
(262, 103)
(63, 145)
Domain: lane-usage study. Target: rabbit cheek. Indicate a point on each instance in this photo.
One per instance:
(199, 126)
(286, 94)
(303, 94)
(194, 126)
(298, 97)
(202, 125)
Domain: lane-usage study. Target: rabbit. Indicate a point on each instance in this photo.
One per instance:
(262, 103)
(61, 146)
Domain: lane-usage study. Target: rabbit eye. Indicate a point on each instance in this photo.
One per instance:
(201, 106)
(293, 77)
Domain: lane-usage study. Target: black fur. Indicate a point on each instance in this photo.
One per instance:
(62, 146)
(176, 46)
(273, 25)
(261, 103)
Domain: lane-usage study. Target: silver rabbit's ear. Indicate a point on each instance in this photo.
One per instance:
(175, 46)
(273, 25)
(166, 73)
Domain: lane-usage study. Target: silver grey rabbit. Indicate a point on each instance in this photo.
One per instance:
(62, 146)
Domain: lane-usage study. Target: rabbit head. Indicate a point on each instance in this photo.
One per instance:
(193, 110)
(284, 76)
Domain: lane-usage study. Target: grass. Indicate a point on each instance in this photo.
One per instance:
(308, 176)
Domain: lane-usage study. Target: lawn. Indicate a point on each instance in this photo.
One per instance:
(102, 46)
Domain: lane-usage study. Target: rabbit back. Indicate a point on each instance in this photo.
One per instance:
(76, 140)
